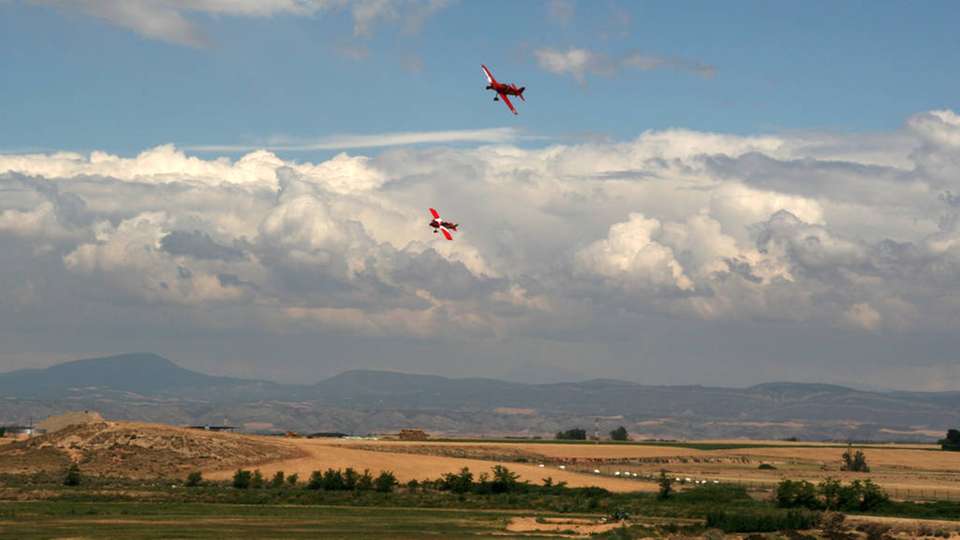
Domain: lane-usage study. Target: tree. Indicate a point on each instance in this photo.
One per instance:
(315, 481)
(952, 441)
(3, 431)
(854, 462)
(350, 479)
(385, 482)
(575, 434)
(460, 482)
(241, 479)
(666, 485)
(293, 478)
(831, 491)
(504, 480)
(332, 480)
(257, 481)
(872, 496)
(278, 480)
(365, 482)
(194, 479)
(619, 434)
(72, 477)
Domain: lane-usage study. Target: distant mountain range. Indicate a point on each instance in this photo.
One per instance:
(151, 388)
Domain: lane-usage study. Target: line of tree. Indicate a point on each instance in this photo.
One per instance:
(831, 494)
(575, 434)
(503, 480)
(952, 441)
(330, 480)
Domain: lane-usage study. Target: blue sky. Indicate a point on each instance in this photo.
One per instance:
(801, 222)
(73, 81)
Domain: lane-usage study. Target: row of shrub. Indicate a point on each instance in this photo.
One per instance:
(831, 494)
(330, 480)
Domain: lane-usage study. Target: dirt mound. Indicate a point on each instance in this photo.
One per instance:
(73, 418)
(140, 450)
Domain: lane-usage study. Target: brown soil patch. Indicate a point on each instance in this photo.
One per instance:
(135, 450)
(910, 528)
(578, 527)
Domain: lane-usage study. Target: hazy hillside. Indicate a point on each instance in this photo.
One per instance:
(149, 387)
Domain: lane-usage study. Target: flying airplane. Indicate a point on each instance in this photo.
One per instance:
(503, 89)
(443, 226)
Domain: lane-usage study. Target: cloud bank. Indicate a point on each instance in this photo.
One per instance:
(854, 236)
(170, 20)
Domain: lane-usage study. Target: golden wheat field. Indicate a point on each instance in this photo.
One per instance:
(915, 471)
(149, 450)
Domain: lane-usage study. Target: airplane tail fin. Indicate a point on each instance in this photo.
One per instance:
(454, 226)
(520, 92)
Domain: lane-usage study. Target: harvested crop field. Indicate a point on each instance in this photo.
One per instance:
(137, 450)
(323, 454)
(908, 471)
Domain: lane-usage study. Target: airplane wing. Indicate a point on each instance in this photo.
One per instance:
(436, 215)
(446, 233)
(506, 100)
(489, 75)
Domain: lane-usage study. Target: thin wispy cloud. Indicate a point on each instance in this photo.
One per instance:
(170, 20)
(579, 63)
(379, 140)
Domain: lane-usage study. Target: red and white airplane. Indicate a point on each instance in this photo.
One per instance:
(503, 89)
(443, 226)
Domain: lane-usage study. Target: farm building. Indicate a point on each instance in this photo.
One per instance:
(18, 431)
(413, 435)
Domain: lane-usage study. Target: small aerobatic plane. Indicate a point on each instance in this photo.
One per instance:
(443, 226)
(503, 89)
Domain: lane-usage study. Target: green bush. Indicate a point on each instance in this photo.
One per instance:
(797, 494)
(315, 481)
(194, 479)
(666, 486)
(241, 479)
(332, 480)
(72, 478)
(619, 434)
(504, 480)
(714, 494)
(762, 520)
(461, 482)
(831, 494)
(952, 441)
(575, 434)
(365, 482)
(293, 479)
(257, 481)
(278, 480)
(385, 482)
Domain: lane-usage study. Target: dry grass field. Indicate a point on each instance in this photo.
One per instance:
(908, 471)
(327, 453)
(150, 450)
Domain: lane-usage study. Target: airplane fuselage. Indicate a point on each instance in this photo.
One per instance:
(436, 224)
(508, 89)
